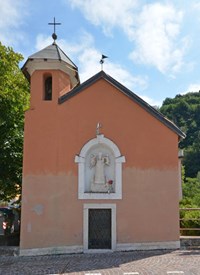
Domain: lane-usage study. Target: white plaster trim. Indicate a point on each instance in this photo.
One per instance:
(51, 250)
(88, 206)
(100, 139)
(80, 159)
(120, 159)
(40, 64)
(99, 196)
(148, 246)
(98, 251)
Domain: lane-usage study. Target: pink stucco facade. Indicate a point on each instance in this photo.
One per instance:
(52, 213)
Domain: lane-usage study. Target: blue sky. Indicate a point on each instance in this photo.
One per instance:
(153, 46)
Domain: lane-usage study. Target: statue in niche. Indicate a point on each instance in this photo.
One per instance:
(98, 182)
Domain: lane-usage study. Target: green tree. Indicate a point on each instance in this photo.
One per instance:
(184, 110)
(14, 100)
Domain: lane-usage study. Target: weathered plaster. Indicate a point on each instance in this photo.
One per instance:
(52, 215)
(54, 226)
(38, 209)
(143, 215)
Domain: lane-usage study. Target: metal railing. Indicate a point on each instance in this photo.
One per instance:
(190, 225)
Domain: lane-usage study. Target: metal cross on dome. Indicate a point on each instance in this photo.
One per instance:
(54, 36)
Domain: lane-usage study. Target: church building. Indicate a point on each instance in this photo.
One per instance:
(101, 169)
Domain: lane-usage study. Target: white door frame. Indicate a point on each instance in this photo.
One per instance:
(86, 208)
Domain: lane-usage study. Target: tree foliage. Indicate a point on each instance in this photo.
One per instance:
(191, 200)
(14, 100)
(184, 111)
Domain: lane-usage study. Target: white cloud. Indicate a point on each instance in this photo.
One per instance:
(157, 38)
(153, 29)
(126, 78)
(195, 87)
(106, 13)
(151, 101)
(42, 41)
(11, 19)
(84, 54)
(195, 6)
(89, 65)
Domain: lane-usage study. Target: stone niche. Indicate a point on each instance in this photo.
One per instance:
(100, 170)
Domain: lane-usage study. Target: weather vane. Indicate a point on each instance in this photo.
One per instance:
(54, 36)
(102, 60)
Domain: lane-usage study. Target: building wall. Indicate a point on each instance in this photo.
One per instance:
(52, 215)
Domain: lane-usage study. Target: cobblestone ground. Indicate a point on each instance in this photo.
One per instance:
(183, 262)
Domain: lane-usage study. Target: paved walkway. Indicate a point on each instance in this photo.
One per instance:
(183, 262)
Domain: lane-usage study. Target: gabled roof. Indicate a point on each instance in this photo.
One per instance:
(127, 92)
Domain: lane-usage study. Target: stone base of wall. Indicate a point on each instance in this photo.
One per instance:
(186, 242)
(149, 246)
(51, 250)
(190, 242)
(119, 247)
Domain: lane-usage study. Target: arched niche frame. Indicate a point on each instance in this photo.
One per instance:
(113, 171)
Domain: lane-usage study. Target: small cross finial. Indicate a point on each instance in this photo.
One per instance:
(102, 60)
(54, 36)
(98, 128)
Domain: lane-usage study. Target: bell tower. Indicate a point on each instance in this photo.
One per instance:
(51, 74)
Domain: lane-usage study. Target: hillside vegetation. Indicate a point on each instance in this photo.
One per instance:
(184, 111)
